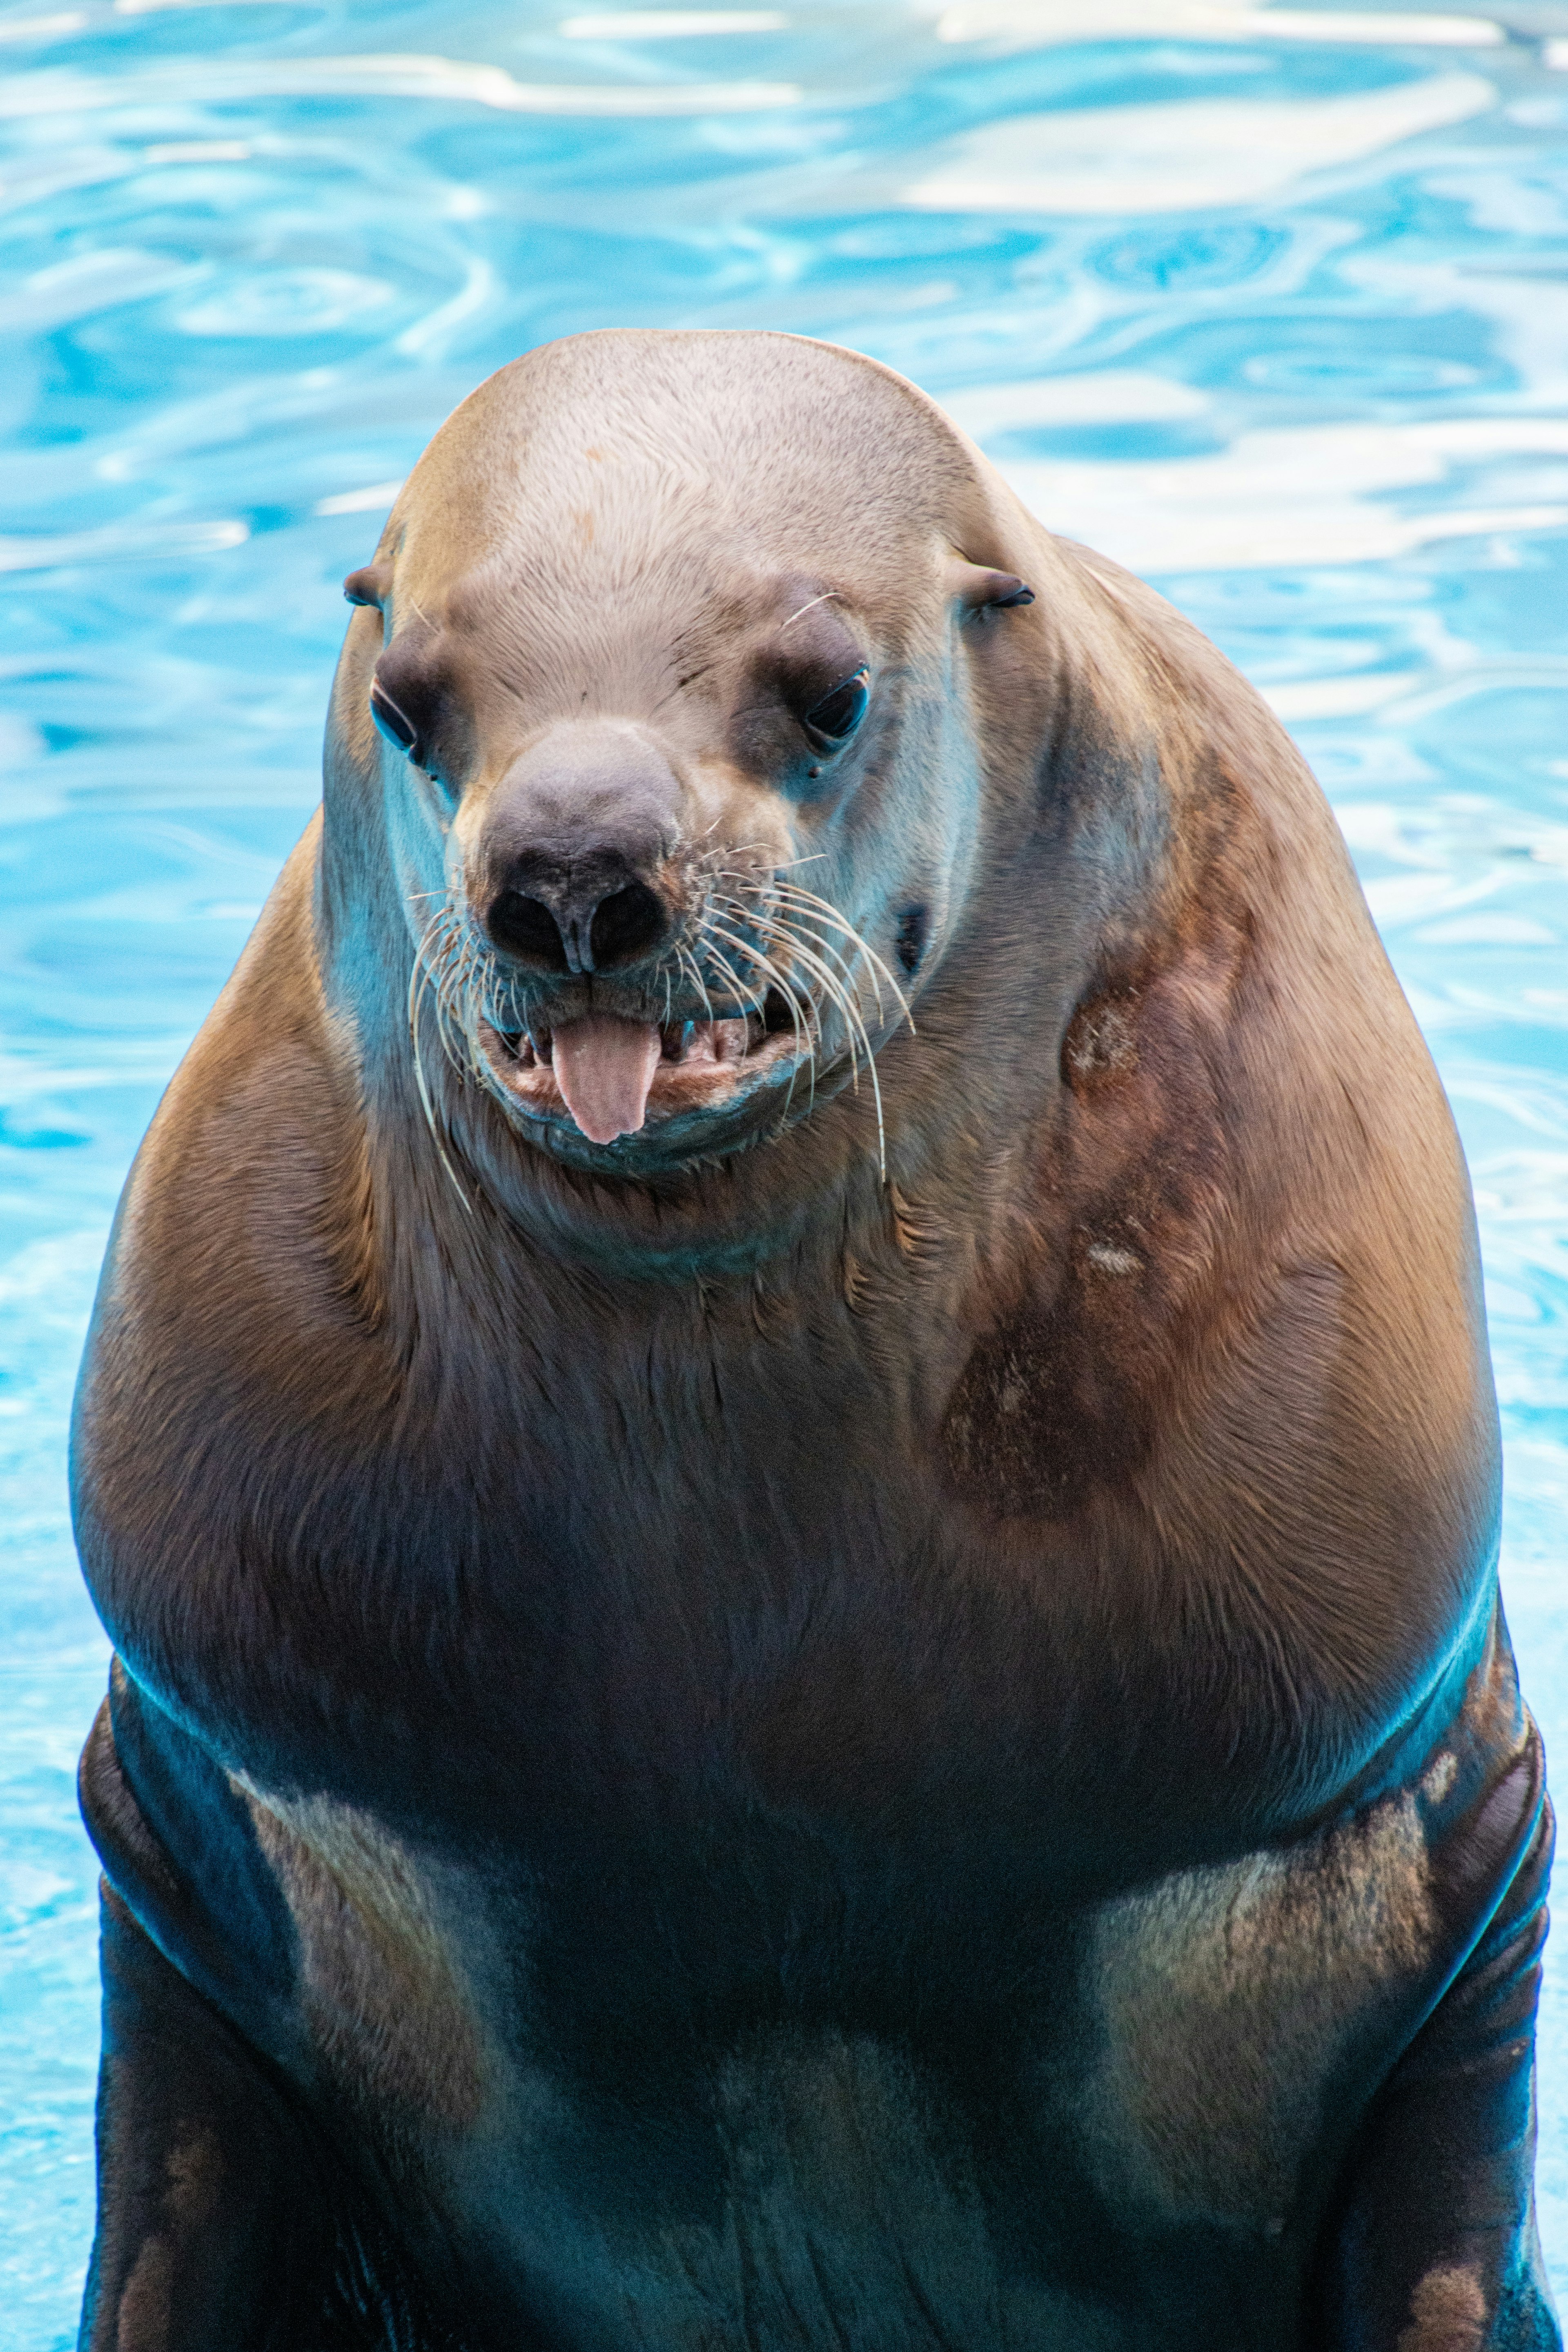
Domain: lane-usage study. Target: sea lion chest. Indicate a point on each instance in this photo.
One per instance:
(730, 1865)
(772, 1913)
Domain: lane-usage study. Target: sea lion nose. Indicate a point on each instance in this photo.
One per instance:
(573, 848)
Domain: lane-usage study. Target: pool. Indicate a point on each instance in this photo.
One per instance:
(1270, 303)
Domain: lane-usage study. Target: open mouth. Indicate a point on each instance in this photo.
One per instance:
(611, 1077)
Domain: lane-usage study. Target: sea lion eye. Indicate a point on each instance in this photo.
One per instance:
(395, 725)
(833, 721)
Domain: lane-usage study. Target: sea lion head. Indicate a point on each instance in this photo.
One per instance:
(667, 675)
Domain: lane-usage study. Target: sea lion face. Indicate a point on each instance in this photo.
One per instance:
(675, 733)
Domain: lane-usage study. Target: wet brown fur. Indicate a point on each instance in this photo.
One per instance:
(1122, 1472)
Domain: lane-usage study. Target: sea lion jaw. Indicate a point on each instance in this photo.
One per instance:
(610, 1078)
(586, 873)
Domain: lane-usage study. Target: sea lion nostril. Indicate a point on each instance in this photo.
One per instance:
(525, 927)
(625, 924)
(578, 933)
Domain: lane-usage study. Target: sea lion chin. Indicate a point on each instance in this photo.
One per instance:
(789, 1445)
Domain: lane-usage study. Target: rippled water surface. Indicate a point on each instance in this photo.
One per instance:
(1270, 303)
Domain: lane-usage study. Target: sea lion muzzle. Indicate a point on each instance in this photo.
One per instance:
(573, 849)
(572, 857)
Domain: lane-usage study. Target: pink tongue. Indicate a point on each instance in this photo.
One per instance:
(604, 1068)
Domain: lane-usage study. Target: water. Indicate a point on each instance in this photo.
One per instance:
(1270, 303)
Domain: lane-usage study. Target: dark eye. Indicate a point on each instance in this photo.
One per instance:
(833, 720)
(395, 725)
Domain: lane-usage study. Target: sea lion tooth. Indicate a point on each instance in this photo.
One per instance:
(721, 1041)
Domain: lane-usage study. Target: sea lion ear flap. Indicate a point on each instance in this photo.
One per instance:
(978, 590)
(369, 585)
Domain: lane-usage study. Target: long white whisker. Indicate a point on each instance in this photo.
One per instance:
(846, 964)
(804, 1045)
(690, 963)
(808, 899)
(778, 929)
(828, 595)
(736, 914)
(851, 1013)
(737, 984)
(420, 978)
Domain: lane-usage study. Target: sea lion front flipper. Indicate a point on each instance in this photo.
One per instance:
(216, 2225)
(1437, 2245)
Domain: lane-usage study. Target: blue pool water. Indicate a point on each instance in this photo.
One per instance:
(1272, 303)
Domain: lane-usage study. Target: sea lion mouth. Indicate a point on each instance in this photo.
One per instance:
(764, 1005)
(610, 1076)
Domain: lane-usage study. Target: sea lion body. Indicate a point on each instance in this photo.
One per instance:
(714, 1744)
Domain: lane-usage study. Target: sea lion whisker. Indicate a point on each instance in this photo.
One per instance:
(751, 914)
(450, 1012)
(779, 929)
(738, 986)
(447, 1011)
(723, 919)
(735, 849)
(847, 965)
(770, 897)
(763, 964)
(830, 913)
(458, 1005)
(858, 1031)
(711, 929)
(857, 1028)
(835, 993)
(469, 1007)
(828, 595)
(805, 1043)
(474, 997)
(419, 978)
(837, 987)
(508, 995)
(690, 963)
(800, 1001)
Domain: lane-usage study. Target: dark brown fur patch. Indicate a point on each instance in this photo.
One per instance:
(1069, 1388)
(1101, 1041)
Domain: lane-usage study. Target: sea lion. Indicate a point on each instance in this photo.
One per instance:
(789, 1445)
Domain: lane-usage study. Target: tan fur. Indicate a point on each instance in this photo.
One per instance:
(1229, 1995)
(385, 2001)
(781, 1669)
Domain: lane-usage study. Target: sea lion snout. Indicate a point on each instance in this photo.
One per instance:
(572, 856)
